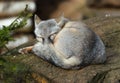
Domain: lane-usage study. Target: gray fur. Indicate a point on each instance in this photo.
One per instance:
(74, 45)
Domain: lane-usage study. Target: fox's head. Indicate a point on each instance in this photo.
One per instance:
(47, 30)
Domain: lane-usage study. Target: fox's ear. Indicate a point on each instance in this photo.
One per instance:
(62, 21)
(36, 20)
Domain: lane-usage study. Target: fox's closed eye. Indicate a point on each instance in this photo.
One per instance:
(40, 39)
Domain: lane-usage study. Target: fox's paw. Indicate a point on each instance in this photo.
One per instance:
(23, 51)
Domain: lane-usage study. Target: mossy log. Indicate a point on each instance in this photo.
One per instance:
(109, 30)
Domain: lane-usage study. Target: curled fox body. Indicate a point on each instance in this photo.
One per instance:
(67, 44)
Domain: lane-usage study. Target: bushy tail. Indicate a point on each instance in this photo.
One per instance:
(99, 51)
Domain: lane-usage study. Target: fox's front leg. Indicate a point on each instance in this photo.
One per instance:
(26, 50)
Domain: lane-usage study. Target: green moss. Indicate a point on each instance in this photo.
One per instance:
(14, 72)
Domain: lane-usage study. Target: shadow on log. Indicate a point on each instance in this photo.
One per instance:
(109, 30)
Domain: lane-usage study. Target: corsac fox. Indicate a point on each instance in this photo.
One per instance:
(67, 44)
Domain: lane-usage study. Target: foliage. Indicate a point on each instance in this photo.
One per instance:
(14, 72)
(19, 22)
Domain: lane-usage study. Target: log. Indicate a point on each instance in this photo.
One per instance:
(109, 30)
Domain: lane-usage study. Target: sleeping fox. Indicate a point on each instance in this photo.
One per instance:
(67, 44)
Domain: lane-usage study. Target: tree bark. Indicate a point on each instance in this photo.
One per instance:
(109, 30)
